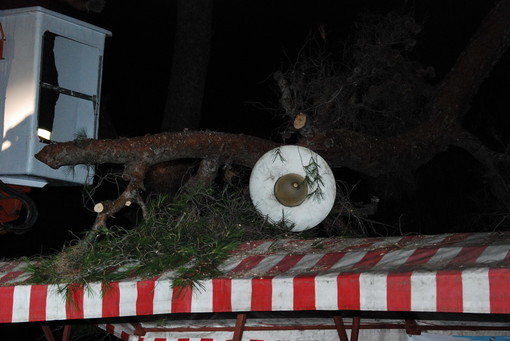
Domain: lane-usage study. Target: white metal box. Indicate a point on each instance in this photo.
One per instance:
(50, 79)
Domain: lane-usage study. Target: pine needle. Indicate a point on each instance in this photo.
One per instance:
(190, 235)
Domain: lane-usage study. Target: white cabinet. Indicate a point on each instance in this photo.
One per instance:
(50, 80)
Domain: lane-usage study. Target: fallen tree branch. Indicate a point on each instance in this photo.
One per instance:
(153, 149)
(487, 45)
(370, 155)
(140, 153)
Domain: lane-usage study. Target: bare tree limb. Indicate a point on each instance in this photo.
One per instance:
(487, 45)
(375, 156)
(152, 149)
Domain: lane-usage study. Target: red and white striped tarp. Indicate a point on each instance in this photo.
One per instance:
(462, 273)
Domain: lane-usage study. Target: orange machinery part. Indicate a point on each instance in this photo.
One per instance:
(10, 208)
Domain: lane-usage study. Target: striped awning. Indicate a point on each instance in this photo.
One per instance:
(461, 273)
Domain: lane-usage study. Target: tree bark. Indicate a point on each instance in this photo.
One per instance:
(370, 155)
(152, 149)
(140, 153)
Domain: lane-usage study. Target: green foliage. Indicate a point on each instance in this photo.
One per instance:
(190, 235)
(314, 179)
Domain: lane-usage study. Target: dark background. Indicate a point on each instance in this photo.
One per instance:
(252, 40)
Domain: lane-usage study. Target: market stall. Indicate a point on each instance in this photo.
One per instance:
(450, 273)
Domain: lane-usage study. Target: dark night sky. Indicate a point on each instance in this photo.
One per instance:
(251, 40)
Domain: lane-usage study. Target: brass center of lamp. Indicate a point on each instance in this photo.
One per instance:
(291, 189)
